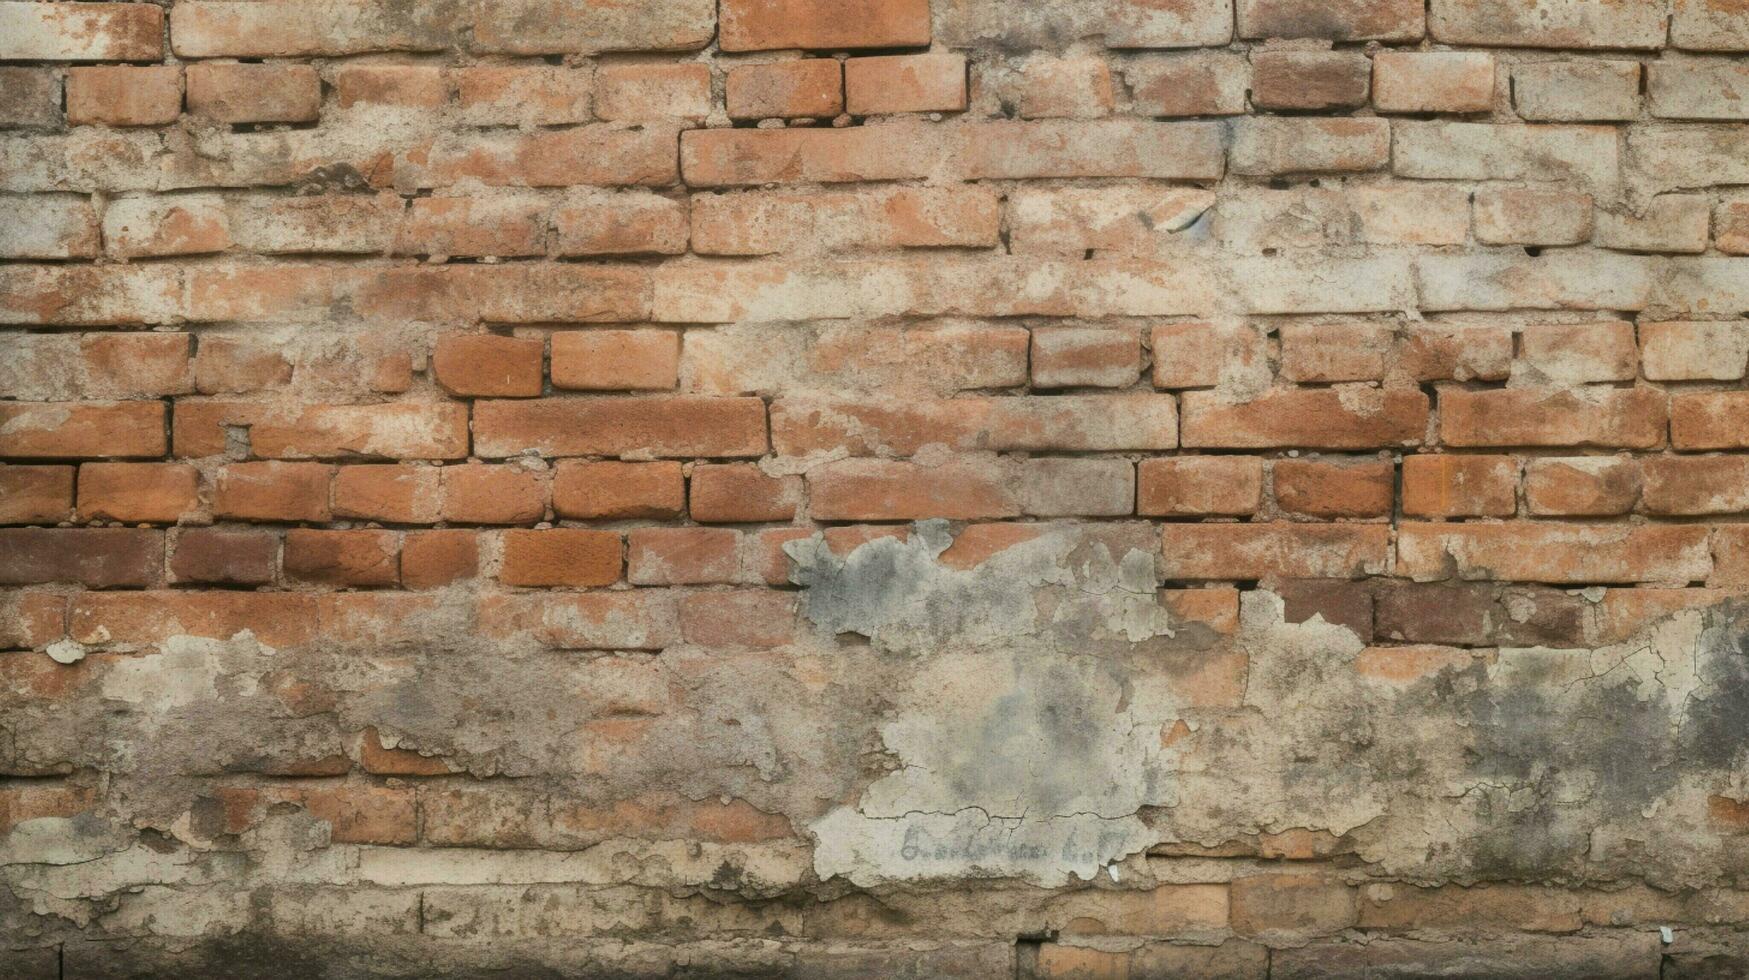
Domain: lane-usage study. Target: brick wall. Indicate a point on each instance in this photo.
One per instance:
(1065, 488)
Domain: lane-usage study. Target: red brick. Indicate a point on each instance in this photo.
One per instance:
(1310, 418)
(740, 493)
(487, 366)
(1340, 603)
(1560, 554)
(1709, 420)
(501, 225)
(1460, 486)
(273, 491)
(238, 93)
(616, 491)
(1338, 20)
(224, 556)
(682, 556)
(118, 95)
(490, 95)
(616, 360)
(81, 32)
(36, 494)
(757, 620)
(560, 556)
(812, 87)
(433, 559)
(765, 25)
(1581, 486)
(620, 224)
(1689, 486)
(74, 430)
(343, 557)
(411, 86)
(492, 494)
(1200, 486)
(905, 83)
(98, 558)
(1236, 552)
(156, 493)
(1625, 418)
(890, 490)
(388, 492)
(1433, 81)
(665, 426)
(638, 92)
(1297, 79)
(1332, 488)
(1070, 357)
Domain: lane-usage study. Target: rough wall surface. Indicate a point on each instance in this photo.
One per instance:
(877, 488)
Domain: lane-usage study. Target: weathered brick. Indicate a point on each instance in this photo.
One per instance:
(254, 93)
(343, 557)
(288, 28)
(1194, 84)
(409, 86)
(36, 494)
(1202, 355)
(1326, 352)
(1069, 487)
(1561, 554)
(1709, 420)
(1578, 353)
(739, 493)
(499, 95)
(1306, 418)
(628, 223)
(1266, 146)
(118, 95)
(224, 556)
(434, 559)
(1547, 24)
(97, 558)
(1460, 486)
(72, 430)
(1581, 486)
(153, 493)
(764, 25)
(1292, 906)
(1706, 25)
(615, 360)
(636, 92)
(1532, 216)
(154, 226)
(1343, 20)
(322, 223)
(1048, 87)
(550, 27)
(1731, 227)
(1577, 91)
(812, 87)
(390, 430)
(560, 556)
(1669, 223)
(81, 32)
(30, 97)
(1679, 351)
(1502, 281)
(1065, 422)
(1300, 79)
(891, 490)
(389, 492)
(477, 225)
(610, 490)
(1610, 418)
(1694, 485)
(1070, 357)
(1433, 81)
(1334, 488)
(1484, 151)
(1256, 551)
(605, 155)
(762, 223)
(682, 556)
